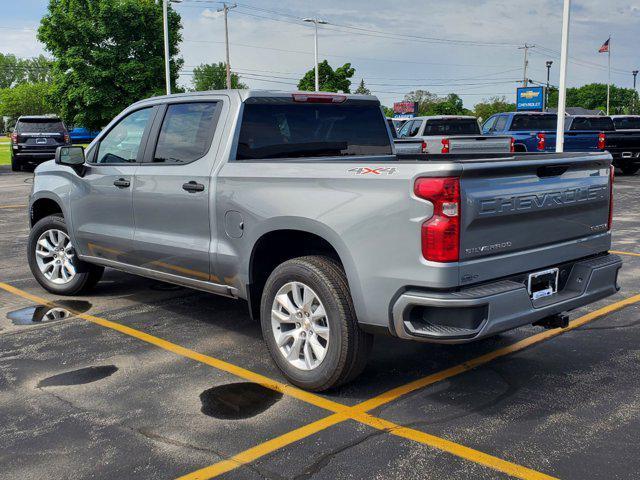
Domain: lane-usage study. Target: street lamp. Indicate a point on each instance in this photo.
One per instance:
(317, 22)
(633, 107)
(546, 100)
(165, 31)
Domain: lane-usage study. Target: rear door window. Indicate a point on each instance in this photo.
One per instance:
(40, 126)
(186, 132)
(531, 123)
(288, 130)
(452, 126)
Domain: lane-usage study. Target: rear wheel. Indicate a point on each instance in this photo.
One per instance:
(53, 260)
(15, 165)
(309, 324)
(630, 169)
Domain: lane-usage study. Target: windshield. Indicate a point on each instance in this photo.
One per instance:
(630, 123)
(452, 126)
(311, 130)
(533, 123)
(40, 126)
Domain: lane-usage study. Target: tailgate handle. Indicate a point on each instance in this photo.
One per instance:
(552, 170)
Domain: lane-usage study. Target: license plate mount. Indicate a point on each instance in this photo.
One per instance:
(543, 284)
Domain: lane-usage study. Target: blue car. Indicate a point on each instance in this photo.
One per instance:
(536, 132)
(83, 135)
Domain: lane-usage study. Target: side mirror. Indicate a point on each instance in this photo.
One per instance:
(71, 156)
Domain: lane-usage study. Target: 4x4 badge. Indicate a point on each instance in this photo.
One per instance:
(373, 171)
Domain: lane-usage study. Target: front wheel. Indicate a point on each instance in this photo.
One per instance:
(53, 260)
(309, 324)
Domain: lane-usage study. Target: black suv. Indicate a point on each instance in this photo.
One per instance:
(35, 139)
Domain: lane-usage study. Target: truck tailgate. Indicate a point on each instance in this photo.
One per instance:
(512, 206)
(479, 144)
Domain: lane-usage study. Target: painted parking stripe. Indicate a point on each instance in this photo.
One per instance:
(282, 440)
(13, 206)
(617, 252)
(402, 390)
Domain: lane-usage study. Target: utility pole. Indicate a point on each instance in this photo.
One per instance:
(225, 8)
(165, 32)
(546, 99)
(633, 103)
(165, 27)
(525, 79)
(562, 92)
(317, 22)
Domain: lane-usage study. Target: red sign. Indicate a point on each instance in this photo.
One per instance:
(405, 108)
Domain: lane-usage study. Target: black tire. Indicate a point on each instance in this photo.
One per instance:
(348, 347)
(87, 275)
(15, 165)
(630, 169)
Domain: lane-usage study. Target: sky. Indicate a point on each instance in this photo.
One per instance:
(468, 47)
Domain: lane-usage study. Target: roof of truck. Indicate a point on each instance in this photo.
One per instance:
(442, 117)
(253, 93)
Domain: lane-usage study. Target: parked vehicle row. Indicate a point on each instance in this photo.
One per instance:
(298, 204)
(448, 134)
(533, 131)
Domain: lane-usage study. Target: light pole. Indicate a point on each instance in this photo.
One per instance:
(317, 22)
(562, 87)
(165, 31)
(225, 8)
(546, 100)
(633, 104)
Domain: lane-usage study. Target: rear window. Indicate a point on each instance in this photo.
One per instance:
(452, 126)
(311, 130)
(40, 126)
(592, 123)
(534, 122)
(631, 123)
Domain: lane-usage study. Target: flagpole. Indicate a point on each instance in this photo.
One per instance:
(609, 79)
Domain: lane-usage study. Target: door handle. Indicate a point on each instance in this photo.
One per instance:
(122, 183)
(193, 186)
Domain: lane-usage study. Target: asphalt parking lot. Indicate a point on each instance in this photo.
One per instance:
(146, 380)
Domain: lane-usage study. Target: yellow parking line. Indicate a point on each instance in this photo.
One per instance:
(617, 252)
(290, 437)
(395, 393)
(13, 206)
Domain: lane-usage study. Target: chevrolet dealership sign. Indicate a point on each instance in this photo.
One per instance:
(530, 98)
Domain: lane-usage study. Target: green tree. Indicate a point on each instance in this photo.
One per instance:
(362, 89)
(424, 98)
(330, 80)
(25, 99)
(108, 54)
(213, 76)
(449, 105)
(491, 106)
(14, 70)
(594, 97)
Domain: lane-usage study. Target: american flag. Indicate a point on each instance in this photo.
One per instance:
(605, 47)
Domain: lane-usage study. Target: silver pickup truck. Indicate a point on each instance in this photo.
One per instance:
(444, 134)
(298, 204)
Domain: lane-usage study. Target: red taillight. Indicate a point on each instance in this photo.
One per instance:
(611, 179)
(445, 145)
(14, 137)
(424, 147)
(441, 233)
(67, 139)
(602, 141)
(542, 141)
(318, 98)
(512, 146)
